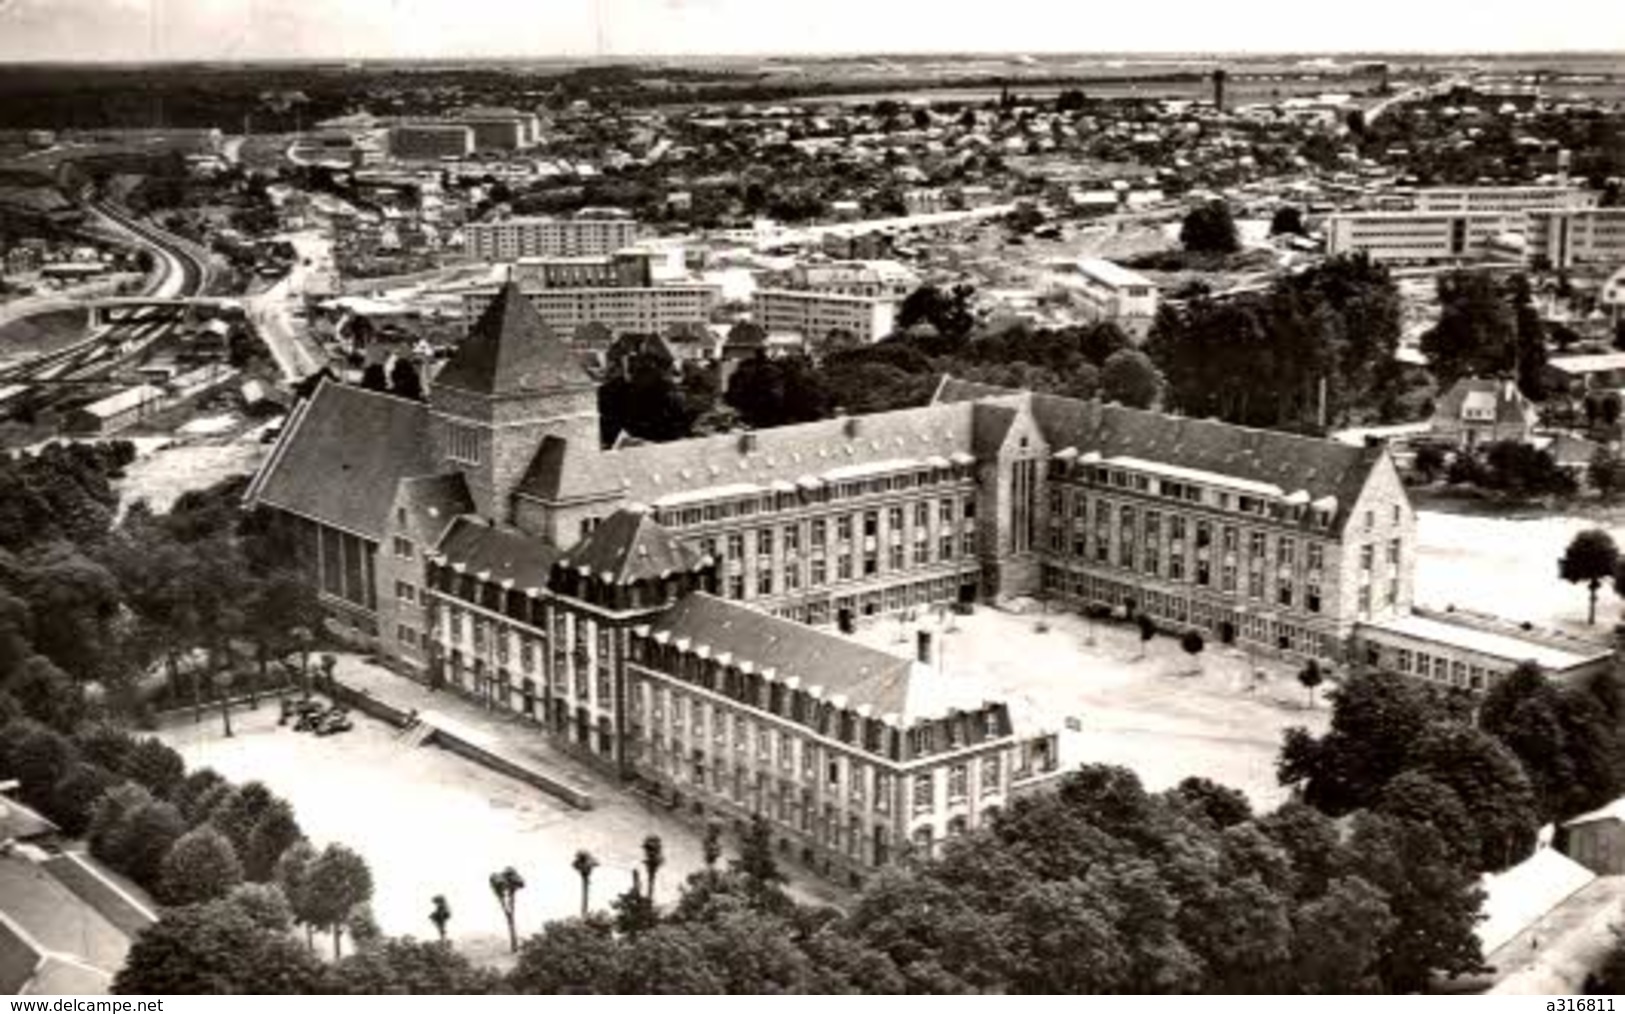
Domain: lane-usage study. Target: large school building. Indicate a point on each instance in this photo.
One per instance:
(659, 605)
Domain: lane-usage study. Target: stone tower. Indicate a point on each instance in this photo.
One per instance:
(510, 385)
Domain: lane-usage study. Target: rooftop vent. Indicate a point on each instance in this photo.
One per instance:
(747, 443)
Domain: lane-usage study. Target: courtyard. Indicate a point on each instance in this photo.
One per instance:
(429, 822)
(1160, 712)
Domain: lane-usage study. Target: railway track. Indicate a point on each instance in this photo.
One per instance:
(94, 359)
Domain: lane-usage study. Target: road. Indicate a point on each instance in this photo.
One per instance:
(297, 355)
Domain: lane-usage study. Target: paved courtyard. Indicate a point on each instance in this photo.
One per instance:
(429, 822)
(1164, 715)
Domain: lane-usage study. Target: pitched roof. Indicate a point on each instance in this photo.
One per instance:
(630, 546)
(647, 472)
(511, 350)
(501, 553)
(862, 674)
(1509, 404)
(1318, 467)
(433, 502)
(342, 455)
(890, 686)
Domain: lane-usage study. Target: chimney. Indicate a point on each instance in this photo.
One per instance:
(747, 442)
(924, 650)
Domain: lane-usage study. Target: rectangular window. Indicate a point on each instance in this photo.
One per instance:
(922, 513)
(817, 574)
(819, 533)
(843, 528)
(945, 509)
(792, 540)
(462, 443)
(736, 546)
(405, 592)
(990, 774)
(764, 542)
(958, 782)
(403, 548)
(924, 793)
(871, 524)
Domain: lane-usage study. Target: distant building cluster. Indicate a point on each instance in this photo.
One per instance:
(1563, 225)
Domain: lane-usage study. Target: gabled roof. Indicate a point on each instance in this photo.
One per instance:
(1509, 405)
(433, 502)
(499, 552)
(862, 674)
(342, 455)
(1318, 467)
(646, 473)
(510, 350)
(630, 546)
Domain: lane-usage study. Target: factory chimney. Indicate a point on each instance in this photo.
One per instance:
(1219, 76)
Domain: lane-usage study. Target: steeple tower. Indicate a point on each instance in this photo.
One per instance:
(510, 384)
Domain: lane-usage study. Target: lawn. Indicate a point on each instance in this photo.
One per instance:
(1507, 566)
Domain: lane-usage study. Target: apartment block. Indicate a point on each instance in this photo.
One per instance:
(513, 238)
(814, 314)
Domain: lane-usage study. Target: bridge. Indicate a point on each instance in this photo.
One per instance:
(102, 310)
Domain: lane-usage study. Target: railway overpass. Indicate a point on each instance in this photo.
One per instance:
(102, 310)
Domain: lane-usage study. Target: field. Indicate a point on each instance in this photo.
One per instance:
(1508, 566)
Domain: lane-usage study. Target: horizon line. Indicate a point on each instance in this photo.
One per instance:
(826, 55)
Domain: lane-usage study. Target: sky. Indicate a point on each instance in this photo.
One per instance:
(292, 29)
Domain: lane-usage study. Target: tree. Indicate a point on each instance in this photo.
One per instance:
(404, 380)
(75, 795)
(1591, 557)
(201, 867)
(1476, 333)
(634, 912)
(764, 881)
(265, 904)
(337, 882)
(584, 863)
(711, 846)
(1209, 228)
(440, 915)
(506, 885)
(1492, 786)
(39, 759)
(1430, 461)
(1377, 719)
(1191, 644)
(156, 765)
(1606, 472)
(1311, 677)
(146, 836)
(1221, 805)
(1288, 220)
(107, 819)
(292, 873)
(1131, 378)
(409, 967)
(214, 949)
(1433, 900)
(577, 956)
(654, 857)
(1148, 630)
(273, 833)
(373, 378)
